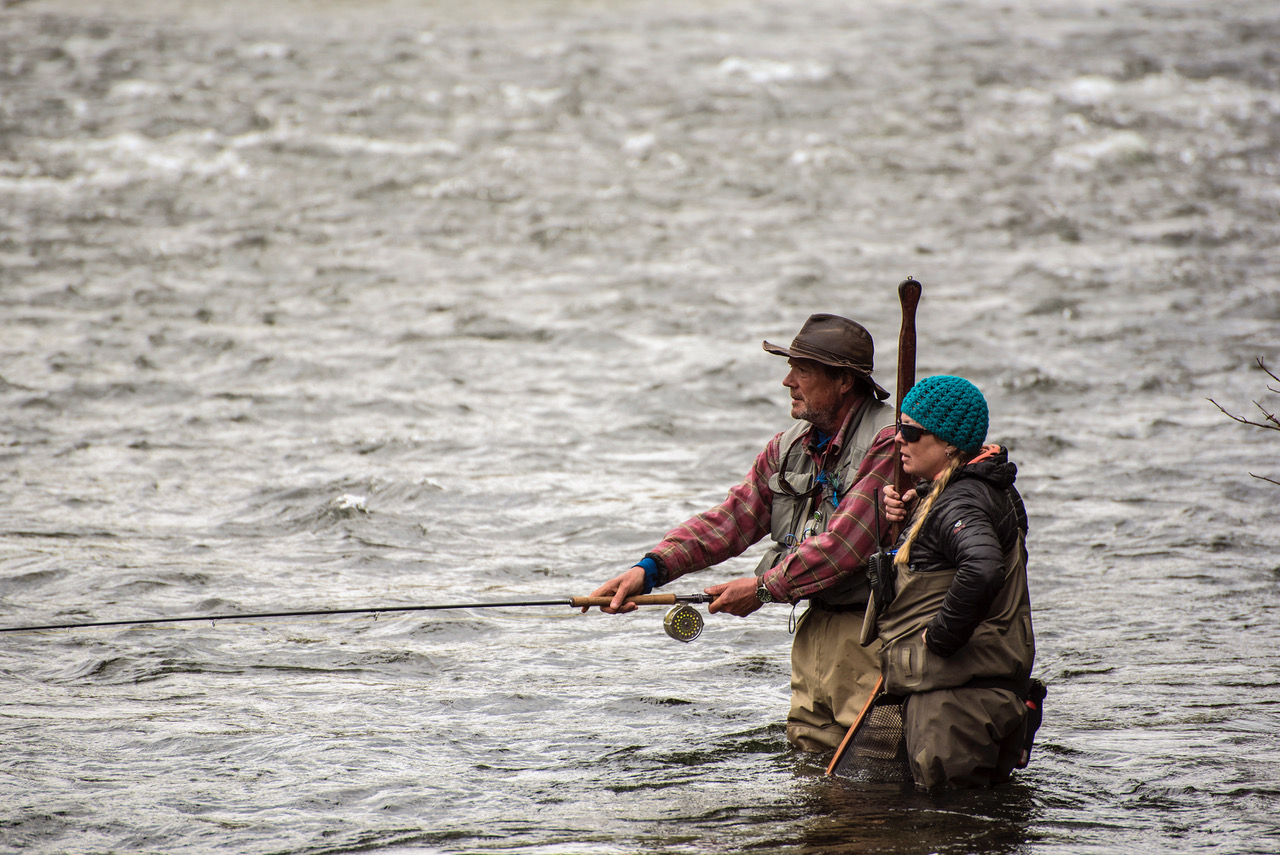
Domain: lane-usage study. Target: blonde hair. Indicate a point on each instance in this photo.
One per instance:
(903, 558)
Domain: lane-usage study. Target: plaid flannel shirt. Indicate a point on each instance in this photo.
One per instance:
(743, 518)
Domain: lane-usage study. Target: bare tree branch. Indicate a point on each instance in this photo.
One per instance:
(1263, 366)
(1271, 421)
(1270, 417)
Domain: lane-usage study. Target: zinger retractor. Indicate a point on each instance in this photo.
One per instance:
(683, 623)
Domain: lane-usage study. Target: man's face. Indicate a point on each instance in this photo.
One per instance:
(815, 396)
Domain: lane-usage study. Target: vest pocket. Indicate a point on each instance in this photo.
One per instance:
(771, 558)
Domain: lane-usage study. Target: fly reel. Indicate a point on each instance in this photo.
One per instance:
(683, 623)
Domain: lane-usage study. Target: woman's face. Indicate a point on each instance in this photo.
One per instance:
(926, 457)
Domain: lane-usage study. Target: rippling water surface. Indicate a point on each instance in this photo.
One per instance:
(337, 304)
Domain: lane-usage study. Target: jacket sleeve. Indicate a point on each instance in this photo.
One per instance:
(969, 541)
(727, 529)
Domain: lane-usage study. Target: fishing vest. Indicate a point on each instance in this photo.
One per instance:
(806, 508)
(1001, 649)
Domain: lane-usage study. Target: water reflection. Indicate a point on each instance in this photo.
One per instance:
(845, 817)
(354, 305)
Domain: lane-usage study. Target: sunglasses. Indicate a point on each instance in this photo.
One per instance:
(911, 433)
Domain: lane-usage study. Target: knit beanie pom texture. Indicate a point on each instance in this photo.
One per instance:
(950, 408)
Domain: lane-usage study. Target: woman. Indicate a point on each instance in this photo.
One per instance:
(957, 633)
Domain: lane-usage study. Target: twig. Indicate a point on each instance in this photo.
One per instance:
(1263, 366)
(1275, 425)
(1271, 423)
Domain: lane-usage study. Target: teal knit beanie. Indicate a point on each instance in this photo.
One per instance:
(950, 408)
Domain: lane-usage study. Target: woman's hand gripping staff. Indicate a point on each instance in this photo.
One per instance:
(895, 506)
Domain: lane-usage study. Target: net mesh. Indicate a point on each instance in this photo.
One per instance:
(878, 749)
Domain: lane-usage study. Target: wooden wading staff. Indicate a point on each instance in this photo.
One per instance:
(909, 296)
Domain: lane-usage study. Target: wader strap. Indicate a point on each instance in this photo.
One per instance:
(838, 608)
(1021, 688)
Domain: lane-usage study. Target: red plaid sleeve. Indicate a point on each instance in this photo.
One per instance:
(728, 529)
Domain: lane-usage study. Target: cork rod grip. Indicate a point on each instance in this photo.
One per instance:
(642, 600)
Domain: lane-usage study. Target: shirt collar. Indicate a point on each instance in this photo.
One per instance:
(816, 438)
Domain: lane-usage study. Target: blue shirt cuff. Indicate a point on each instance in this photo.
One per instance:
(650, 572)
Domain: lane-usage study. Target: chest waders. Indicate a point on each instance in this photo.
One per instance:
(999, 654)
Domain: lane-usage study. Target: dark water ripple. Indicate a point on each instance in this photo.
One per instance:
(407, 303)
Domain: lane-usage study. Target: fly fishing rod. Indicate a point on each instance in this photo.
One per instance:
(683, 623)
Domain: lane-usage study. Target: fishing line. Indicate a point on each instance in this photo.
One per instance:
(683, 623)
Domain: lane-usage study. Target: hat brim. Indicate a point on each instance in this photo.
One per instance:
(802, 352)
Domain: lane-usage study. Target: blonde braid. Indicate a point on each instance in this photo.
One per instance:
(904, 551)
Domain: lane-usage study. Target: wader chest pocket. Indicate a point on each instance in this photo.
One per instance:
(904, 663)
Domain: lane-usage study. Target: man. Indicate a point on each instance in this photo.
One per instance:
(813, 491)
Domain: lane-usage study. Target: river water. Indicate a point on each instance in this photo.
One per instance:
(342, 304)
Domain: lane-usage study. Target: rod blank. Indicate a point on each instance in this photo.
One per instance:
(576, 602)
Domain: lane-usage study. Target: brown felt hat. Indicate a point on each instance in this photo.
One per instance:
(833, 340)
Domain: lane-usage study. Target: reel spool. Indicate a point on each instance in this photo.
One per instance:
(683, 623)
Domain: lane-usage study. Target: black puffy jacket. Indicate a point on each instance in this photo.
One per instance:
(972, 526)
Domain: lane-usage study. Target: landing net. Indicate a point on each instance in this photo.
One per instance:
(877, 750)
